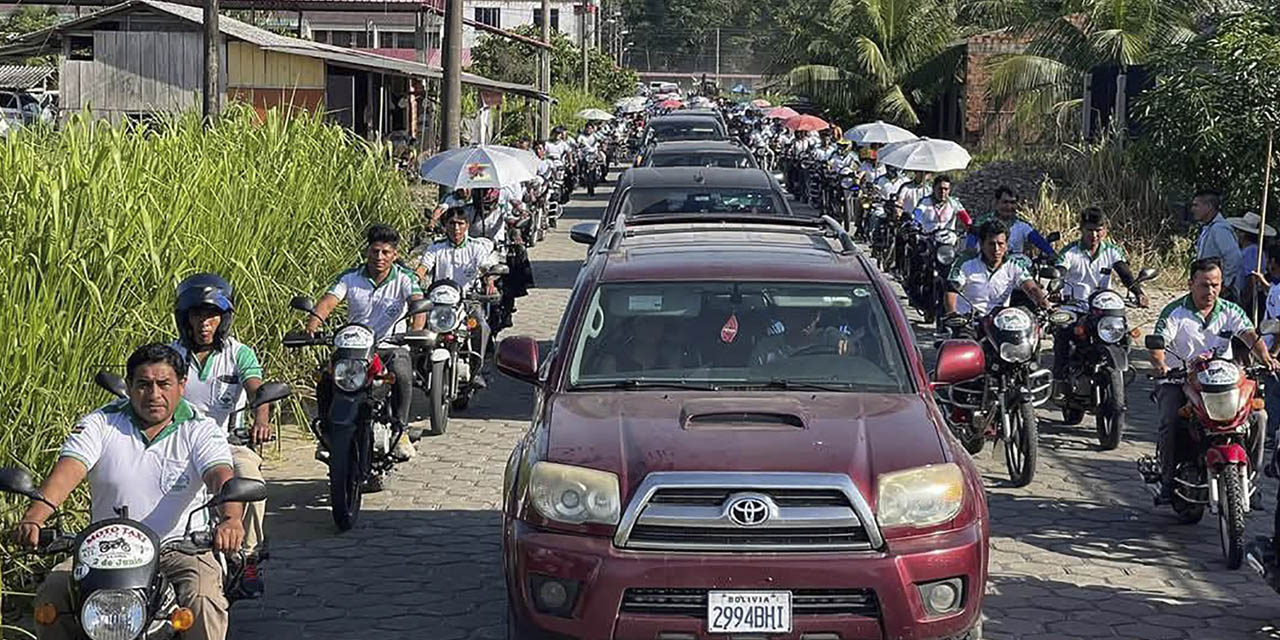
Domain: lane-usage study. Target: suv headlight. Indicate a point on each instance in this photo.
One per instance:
(350, 374)
(113, 614)
(574, 495)
(920, 497)
(1111, 329)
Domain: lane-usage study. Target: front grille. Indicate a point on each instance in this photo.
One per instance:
(794, 537)
(804, 602)
(710, 497)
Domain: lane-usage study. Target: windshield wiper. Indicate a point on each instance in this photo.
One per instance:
(631, 385)
(787, 384)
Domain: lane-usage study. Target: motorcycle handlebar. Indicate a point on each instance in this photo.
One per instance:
(53, 541)
(195, 543)
(297, 339)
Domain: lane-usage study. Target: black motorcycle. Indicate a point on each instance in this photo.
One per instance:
(117, 588)
(357, 432)
(1098, 369)
(931, 260)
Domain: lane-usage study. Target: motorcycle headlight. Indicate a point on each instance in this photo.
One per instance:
(350, 374)
(1112, 328)
(574, 495)
(920, 497)
(113, 614)
(846, 182)
(1016, 352)
(442, 319)
(1221, 406)
(946, 254)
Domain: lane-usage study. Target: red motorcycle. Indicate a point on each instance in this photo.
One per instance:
(1216, 442)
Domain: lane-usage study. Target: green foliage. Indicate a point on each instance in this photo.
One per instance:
(102, 222)
(24, 20)
(1204, 123)
(503, 59)
(520, 122)
(680, 35)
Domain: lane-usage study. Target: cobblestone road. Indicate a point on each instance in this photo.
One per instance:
(1080, 553)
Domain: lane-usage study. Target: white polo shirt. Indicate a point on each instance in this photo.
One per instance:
(377, 305)
(462, 263)
(1088, 272)
(216, 388)
(1188, 334)
(910, 195)
(988, 288)
(937, 215)
(159, 481)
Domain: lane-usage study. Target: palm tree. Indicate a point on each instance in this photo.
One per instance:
(1068, 38)
(875, 58)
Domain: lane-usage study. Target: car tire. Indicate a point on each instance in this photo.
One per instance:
(973, 634)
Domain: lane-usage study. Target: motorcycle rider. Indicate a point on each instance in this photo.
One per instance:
(462, 259)
(377, 293)
(1217, 238)
(1020, 231)
(589, 143)
(941, 210)
(910, 194)
(991, 278)
(1191, 326)
(1087, 265)
(161, 457)
(221, 372)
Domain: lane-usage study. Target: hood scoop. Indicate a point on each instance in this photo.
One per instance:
(748, 414)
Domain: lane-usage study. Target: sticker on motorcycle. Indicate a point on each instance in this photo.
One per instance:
(1108, 301)
(353, 337)
(1219, 372)
(116, 546)
(1013, 320)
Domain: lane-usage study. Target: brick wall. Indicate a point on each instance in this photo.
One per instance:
(981, 116)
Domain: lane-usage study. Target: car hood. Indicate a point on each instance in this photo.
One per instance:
(636, 433)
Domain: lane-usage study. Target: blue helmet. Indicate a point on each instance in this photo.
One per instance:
(204, 290)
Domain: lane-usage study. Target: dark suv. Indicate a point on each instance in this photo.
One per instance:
(734, 436)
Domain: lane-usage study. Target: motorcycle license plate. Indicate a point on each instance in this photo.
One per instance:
(749, 612)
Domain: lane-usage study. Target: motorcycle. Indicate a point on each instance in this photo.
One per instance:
(1216, 439)
(1002, 404)
(117, 588)
(932, 254)
(589, 165)
(1098, 368)
(357, 433)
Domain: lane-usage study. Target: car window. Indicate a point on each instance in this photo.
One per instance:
(738, 335)
(700, 200)
(701, 159)
(8, 101)
(686, 132)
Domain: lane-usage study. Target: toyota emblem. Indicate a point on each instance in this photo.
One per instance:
(748, 511)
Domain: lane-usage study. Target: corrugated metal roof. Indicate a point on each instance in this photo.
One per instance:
(14, 76)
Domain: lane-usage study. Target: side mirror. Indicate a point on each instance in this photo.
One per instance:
(958, 361)
(1154, 342)
(112, 383)
(303, 304)
(240, 490)
(421, 305)
(1147, 274)
(271, 392)
(584, 233)
(1050, 273)
(518, 357)
(499, 270)
(1054, 237)
(17, 481)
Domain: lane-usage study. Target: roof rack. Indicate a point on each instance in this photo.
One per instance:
(827, 224)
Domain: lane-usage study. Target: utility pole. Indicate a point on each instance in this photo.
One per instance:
(586, 63)
(212, 98)
(451, 84)
(717, 57)
(544, 73)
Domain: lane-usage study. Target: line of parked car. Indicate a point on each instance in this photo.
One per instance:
(22, 109)
(733, 429)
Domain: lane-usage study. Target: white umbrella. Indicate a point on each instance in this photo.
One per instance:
(480, 167)
(925, 154)
(878, 132)
(594, 114)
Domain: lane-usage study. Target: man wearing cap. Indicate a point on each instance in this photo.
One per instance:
(1088, 264)
(1246, 228)
(1217, 238)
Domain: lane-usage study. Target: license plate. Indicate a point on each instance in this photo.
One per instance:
(749, 612)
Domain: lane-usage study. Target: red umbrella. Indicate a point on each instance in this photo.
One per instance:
(671, 104)
(806, 123)
(760, 102)
(781, 113)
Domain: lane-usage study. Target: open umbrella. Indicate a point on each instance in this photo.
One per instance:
(633, 104)
(805, 123)
(480, 167)
(878, 132)
(761, 102)
(781, 113)
(671, 103)
(925, 154)
(595, 114)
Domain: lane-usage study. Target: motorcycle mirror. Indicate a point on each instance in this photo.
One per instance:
(240, 490)
(112, 383)
(1049, 273)
(418, 305)
(1154, 342)
(499, 270)
(270, 392)
(303, 304)
(1147, 274)
(17, 481)
(1054, 237)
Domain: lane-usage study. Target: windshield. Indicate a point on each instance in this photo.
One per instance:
(700, 200)
(686, 131)
(701, 159)
(738, 335)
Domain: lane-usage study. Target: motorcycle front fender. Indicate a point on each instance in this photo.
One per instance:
(440, 355)
(1224, 454)
(344, 418)
(1115, 357)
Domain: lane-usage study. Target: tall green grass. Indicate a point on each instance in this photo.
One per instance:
(98, 223)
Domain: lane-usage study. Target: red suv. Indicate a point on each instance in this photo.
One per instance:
(734, 441)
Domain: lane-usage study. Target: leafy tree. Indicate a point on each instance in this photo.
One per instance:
(680, 35)
(24, 20)
(503, 59)
(1205, 121)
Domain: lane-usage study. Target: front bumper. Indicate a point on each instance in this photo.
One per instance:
(604, 573)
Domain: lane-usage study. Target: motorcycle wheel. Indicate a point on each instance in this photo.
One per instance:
(345, 494)
(1020, 450)
(1231, 517)
(439, 404)
(1110, 418)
